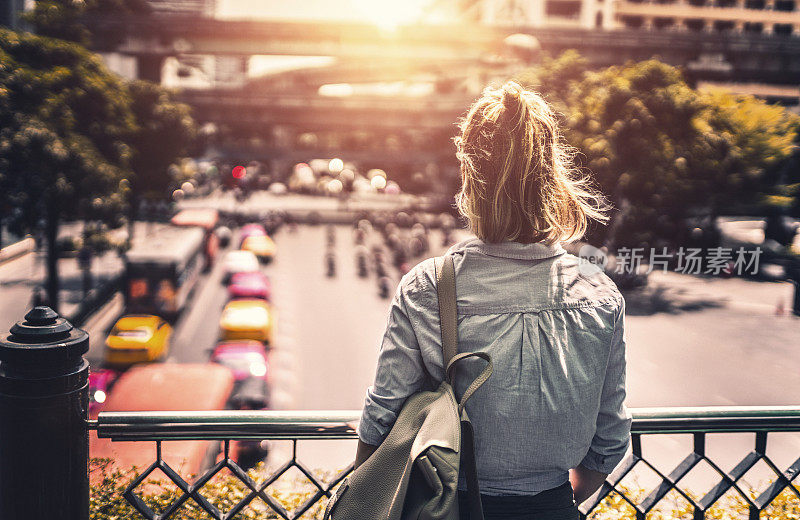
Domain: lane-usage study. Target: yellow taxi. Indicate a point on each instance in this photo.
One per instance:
(260, 245)
(247, 319)
(137, 338)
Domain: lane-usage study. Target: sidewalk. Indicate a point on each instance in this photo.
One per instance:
(673, 292)
(19, 277)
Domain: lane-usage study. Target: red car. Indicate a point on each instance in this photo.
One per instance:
(249, 285)
(251, 230)
(245, 358)
(100, 382)
(247, 361)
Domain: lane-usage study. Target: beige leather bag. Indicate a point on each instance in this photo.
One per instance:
(414, 473)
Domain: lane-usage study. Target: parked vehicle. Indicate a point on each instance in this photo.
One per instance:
(161, 270)
(260, 245)
(247, 319)
(249, 285)
(239, 262)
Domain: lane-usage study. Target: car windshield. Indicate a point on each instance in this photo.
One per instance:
(248, 279)
(247, 315)
(134, 333)
(239, 256)
(241, 361)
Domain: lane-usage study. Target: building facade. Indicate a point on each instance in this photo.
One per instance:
(778, 17)
(566, 14)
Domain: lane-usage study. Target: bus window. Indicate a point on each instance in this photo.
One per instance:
(162, 268)
(137, 288)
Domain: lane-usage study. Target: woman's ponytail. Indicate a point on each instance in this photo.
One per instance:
(519, 178)
(515, 106)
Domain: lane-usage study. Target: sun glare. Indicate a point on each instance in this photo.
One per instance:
(391, 14)
(385, 14)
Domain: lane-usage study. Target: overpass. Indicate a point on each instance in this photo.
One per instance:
(315, 113)
(707, 56)
(270, 115)
(386, 131)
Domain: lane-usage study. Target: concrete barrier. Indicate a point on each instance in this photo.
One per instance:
(26, 245)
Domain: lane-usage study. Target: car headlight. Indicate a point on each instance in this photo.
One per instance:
(258, 369)
(99, 396)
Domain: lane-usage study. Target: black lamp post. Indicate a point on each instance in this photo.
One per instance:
(44, 440)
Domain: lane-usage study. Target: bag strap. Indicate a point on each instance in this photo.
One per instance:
(448, 313)
(448, 317)
(482, 377)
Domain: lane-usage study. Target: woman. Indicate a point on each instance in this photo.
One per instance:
(550, 424)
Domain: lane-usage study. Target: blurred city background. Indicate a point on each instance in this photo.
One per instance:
(241, 184)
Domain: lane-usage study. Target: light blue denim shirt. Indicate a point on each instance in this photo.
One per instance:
(554, 326)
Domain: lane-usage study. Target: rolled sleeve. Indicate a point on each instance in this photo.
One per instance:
(400, 373)
(612, 434)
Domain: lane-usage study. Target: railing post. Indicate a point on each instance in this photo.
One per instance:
(44, 440)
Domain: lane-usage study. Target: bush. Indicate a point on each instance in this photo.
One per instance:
(68, 246)
(224, 491)
(100, 242)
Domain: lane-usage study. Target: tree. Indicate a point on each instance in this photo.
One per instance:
(663, 152)
(762, 139)
(555, 77)
(163, 133)
(63, 123)
(65, 19)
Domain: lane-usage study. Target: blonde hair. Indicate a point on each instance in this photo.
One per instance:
(519, 181)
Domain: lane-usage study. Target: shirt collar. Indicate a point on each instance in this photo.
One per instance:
(509, 249)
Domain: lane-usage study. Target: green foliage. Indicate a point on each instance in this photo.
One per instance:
(164, 132)
(223, 491)
(663, 152)
(63, 123)
(64, 19)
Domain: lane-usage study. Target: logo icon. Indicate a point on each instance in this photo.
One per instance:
(593, 260)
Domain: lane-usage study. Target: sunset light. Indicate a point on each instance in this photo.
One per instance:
(253, 253)
(386, 14)
(389, 15)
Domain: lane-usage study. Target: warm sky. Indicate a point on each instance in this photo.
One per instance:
(387, 13)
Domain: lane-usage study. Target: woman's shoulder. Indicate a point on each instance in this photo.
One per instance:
(420, 279)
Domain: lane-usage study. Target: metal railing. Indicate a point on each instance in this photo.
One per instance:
(310, 425)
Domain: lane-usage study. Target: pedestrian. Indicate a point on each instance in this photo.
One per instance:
(550, 424)
(39, 298)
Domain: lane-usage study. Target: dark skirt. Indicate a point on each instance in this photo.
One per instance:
(554, 504)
